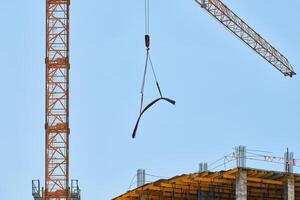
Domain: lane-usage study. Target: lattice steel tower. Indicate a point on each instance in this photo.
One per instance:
(57, 184)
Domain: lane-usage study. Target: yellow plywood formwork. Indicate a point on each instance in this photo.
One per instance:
(261, 184)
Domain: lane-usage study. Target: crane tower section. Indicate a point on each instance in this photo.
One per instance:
(238, 27)
(57, 100)
(57, 183)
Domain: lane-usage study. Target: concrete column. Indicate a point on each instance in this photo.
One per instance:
(199, 195)
(289, 189)
(203, 167)
(141, 177)
(241, 185)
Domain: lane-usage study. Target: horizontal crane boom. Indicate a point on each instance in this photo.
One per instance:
(237, 26)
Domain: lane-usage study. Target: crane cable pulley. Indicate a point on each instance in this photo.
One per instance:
(148, 61)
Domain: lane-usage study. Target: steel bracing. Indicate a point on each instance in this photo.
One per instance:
(239, 28)
(57, 183)
(57, 100)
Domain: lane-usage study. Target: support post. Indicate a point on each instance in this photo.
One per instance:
(241, 185)
(203, 167)
(289, 188)
(241, 156)
(199, 195)
(141, 177)
(289, 161)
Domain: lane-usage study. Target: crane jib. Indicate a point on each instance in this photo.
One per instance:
(248, 35)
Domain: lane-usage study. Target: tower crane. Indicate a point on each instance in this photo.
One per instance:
(57, 131)
(57, 183)
(238, 27)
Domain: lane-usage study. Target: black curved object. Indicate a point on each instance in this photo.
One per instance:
(147, 107)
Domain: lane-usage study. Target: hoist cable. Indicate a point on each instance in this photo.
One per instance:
(148, 61)
(152, 67)
(143, 82)
(154, 74)
(147, 17)
(144, 75)
(142, 102)
(153, 70)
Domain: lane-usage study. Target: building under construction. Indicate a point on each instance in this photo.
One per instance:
(237, 183)
(240, 183)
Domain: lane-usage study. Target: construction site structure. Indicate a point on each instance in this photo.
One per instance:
(236, 183)
(141, 177)
(240, 183)
(57, 183)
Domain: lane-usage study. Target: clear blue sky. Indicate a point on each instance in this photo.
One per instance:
(226, 95)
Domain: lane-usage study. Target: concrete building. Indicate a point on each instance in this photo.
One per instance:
(238, 183)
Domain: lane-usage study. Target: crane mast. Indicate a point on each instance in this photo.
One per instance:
(57, 183)
(239, 28)
(57, 100)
